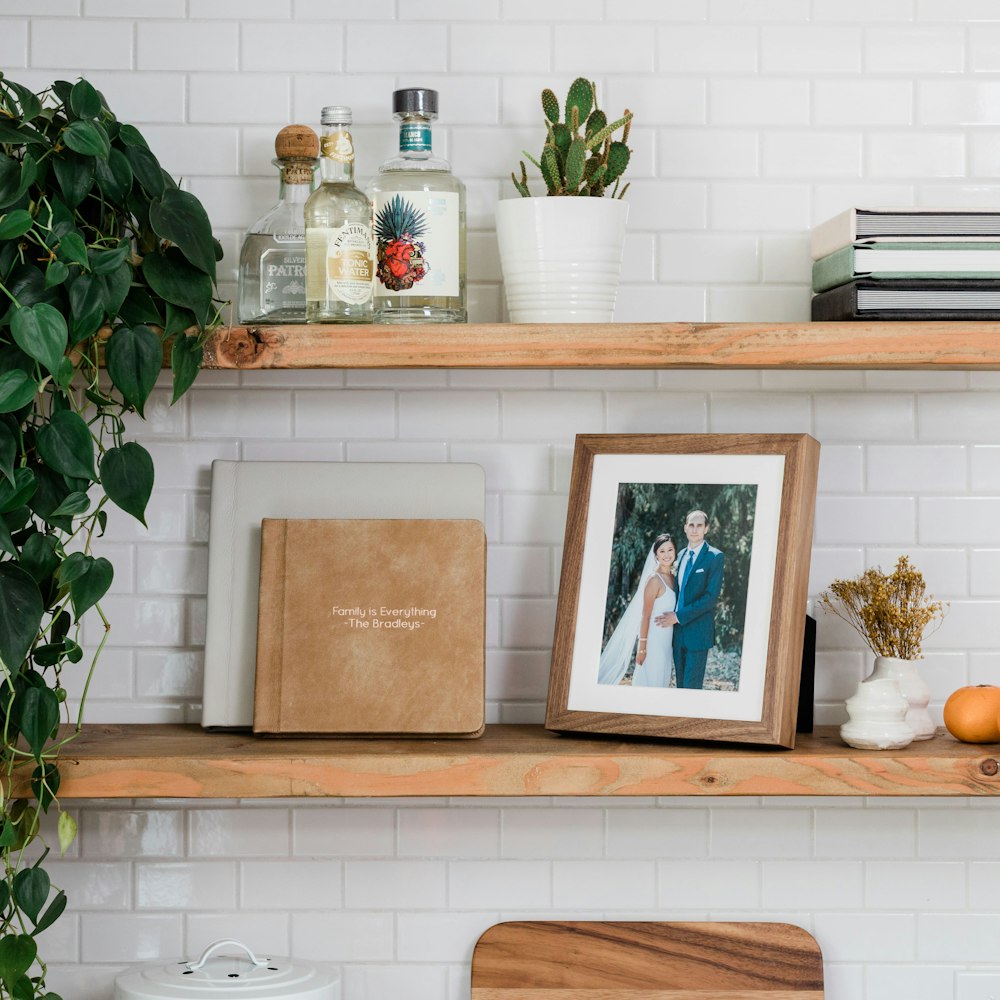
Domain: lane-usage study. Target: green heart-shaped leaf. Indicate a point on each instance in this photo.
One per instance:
(45, 781)
(86, 302)
(56, 272)
(106, 261)
(178, 282)
(40, 331)
(84, 100)
(186, 356)
(75, 503)
(58, 904)
(178, 216)
(21, 611)
(39, 557)
(31, 106)
(18, 491)
(75, 175)
(66, 445)
(17, 952)
(114, 176)
(146, 169)
(31, 890)
(15, 224)
(114, 288)
(74, 566)
(39, 716)
(17, 389)
(87, 137)
(72, 249)
(127, 478)
(134, 356)
(89, 587)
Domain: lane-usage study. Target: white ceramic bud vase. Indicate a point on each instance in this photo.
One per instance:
(914, 690)
(877, 712)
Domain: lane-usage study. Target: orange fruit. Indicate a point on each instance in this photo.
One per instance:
(972, 714)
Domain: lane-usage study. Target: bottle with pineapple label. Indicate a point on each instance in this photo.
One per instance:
(339, 263)
(418, 212)
(272, 274)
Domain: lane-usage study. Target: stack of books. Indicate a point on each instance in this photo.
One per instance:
(907, 264)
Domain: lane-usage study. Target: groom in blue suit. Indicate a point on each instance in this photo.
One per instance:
(699, 581)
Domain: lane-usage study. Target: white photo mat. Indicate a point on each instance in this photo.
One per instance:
(766, 472)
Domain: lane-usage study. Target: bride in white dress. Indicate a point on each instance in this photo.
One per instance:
(654, 653)
(654, 658)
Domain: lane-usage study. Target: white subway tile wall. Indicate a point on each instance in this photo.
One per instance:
(755, 119)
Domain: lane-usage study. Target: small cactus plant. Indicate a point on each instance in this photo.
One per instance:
(583, 163)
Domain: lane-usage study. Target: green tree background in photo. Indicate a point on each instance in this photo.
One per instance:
(645, 510)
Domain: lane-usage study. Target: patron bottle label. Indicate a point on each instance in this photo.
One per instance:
(282, 278)
(416, 243)
(339, 264)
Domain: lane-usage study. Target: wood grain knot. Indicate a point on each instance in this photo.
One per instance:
(989, 766)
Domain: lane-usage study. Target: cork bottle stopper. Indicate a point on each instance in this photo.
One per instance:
(296, 142)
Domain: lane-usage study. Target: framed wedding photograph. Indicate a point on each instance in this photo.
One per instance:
(682, 597)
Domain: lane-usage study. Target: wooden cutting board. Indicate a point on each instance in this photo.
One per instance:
(646, 960)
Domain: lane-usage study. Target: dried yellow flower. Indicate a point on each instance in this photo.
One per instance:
(891, 613)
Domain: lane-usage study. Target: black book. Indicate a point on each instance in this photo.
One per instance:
(910, 299)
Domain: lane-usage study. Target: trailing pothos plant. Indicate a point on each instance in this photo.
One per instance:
(106, 268)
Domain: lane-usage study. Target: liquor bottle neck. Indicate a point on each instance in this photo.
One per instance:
(335, 172)
(337, 160)
(415, 138)
(296, 181)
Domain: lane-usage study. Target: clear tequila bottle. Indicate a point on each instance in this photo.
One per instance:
(339, 265)
(418, 211)
(272, 273)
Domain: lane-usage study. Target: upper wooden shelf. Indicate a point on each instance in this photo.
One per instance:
(614, 345)
(183, 761)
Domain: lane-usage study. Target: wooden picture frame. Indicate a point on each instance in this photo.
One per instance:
(751, 493)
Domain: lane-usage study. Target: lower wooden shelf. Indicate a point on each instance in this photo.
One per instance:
(183, 761)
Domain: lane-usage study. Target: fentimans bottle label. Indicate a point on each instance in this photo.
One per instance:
(339, 264)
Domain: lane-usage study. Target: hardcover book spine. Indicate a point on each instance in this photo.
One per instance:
(836, 303)
(840, 231)
(270, 628)
(833, 269)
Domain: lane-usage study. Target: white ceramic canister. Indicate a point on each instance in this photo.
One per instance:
(237, 974)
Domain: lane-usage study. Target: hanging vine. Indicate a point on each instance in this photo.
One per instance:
(106, 268)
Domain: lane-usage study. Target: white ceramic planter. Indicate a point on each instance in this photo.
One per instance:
(561, 257)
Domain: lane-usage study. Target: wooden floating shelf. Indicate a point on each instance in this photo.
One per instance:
(183, 761)
(861, 345)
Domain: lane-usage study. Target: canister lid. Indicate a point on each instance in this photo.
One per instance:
(235, 975)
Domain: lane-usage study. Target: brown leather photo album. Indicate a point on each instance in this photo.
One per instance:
(371, 627)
